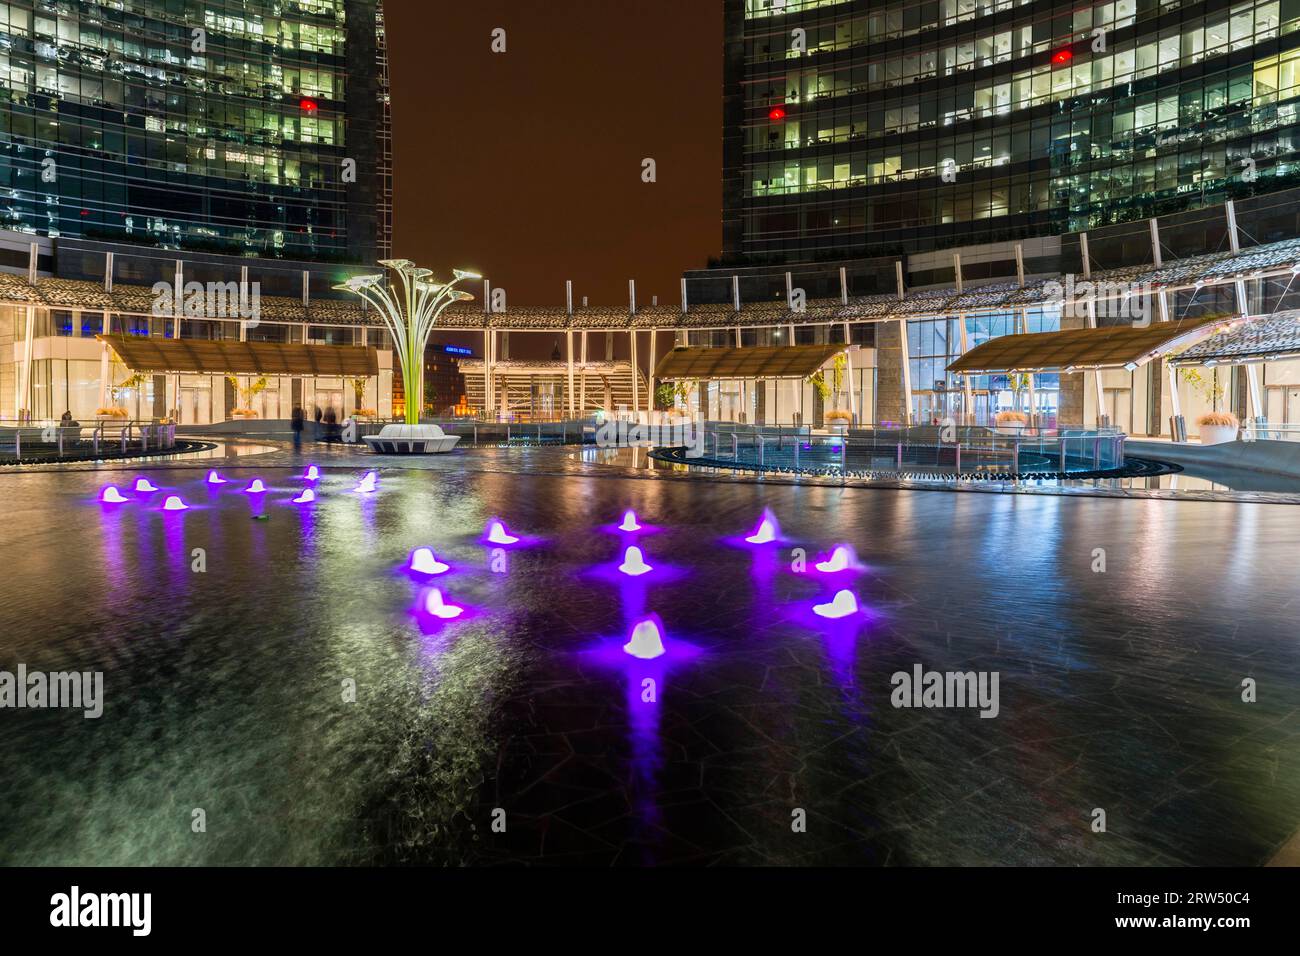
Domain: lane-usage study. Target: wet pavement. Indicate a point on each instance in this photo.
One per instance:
(520, 732)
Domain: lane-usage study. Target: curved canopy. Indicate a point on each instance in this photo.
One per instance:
(204, 356)
(1116, 346)
(778, 361)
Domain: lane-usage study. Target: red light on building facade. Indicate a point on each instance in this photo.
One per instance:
(776, 114)
(1063, 56)
(309, 106)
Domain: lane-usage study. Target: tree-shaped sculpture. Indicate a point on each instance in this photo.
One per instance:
(410, 311)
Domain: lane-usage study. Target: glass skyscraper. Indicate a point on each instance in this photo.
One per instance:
(868, 128)
(251, 127)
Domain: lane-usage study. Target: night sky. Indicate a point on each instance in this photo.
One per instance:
(526, 165)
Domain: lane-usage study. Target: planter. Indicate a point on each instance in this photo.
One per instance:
(1217, 434)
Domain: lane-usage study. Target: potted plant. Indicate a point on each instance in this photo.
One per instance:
(246, 395)
(1218, 427)
(117, 393)
(1011, 423)
(839, 419)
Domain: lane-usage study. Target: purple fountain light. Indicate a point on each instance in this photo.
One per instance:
(497, 533)
(367, 484)
(843, 604)
(646, 641)
(629, 522)
(255, 487)
(214, 478)
(423, 561)
(634, 562)
(767, 529)
(313, 474)
(435, 605)
(111, 496)
(144, 485)
(306, 497)
(174, 503)
(841, 559)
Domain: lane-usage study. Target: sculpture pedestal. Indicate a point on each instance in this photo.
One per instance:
(411, 440)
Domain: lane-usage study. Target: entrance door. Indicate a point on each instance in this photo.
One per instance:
(196, 406)
(1119, 406)
(1292, 407)
(327, 399)
(270, 402)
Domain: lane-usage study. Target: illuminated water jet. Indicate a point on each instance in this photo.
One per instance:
(174, 503)
(629, 522)
(305, 498)
(434, 604)
(424, 562)
(843, 604)
(634, 562)
(144, 485)
(255, 487)
(646, 641)
(766, 531)
(841, 559)
(214, 478)
(367, 483)
(111, 496)
(313, 474)
(497, 534)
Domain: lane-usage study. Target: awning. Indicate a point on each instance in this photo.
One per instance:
(778, 361)
(1115, 346)
(1265, 338)
(202, 356)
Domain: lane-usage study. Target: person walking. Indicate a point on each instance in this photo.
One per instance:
(299, 423)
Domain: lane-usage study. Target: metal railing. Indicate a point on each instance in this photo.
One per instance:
(1264, 431)
(939, 450)
(54, 441)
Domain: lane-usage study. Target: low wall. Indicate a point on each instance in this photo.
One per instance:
(1265, 457)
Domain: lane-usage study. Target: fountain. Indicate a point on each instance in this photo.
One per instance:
(629, 522)
(843, 604)
(313, 474)
(367, 484)
(841, 559)
(646, 641)
(111, 496)
(766, 531)
(306, 497)
(174, 503)
(434, 604)
(634, 562)
(144, 485)
(497, 533)
(214, 478)
(424, 562)
(255, 487)
(409, 308)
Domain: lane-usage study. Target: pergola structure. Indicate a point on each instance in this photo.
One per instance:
(1230, 270)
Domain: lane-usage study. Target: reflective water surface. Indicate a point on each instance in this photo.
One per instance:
(228, 689)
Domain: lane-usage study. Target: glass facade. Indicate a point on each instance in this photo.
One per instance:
(863, 128)
(253, 127)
